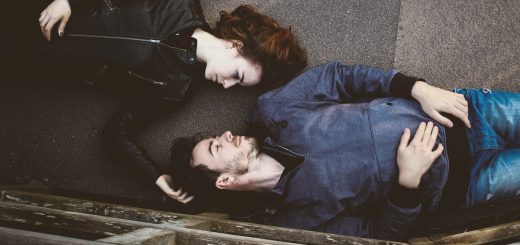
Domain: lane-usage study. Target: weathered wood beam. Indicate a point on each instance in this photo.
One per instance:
(493, 234)
(145, 236)
(63, 222)
(214, 215)
(9, 236)
(459, 220)
(192, 221)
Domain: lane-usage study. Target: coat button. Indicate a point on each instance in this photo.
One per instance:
(283, 124)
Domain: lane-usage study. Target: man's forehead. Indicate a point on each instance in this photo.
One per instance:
(200, 151)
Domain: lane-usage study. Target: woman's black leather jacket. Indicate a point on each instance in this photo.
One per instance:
(144, 42)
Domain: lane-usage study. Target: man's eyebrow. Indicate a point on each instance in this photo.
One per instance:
(209, 148)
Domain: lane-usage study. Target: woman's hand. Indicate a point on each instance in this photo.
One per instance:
(416, 158)
(59, 10)
(164, 182)
(435, 100)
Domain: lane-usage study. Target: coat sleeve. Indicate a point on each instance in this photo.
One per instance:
(121, 131)
(393, 223)
(340, 83)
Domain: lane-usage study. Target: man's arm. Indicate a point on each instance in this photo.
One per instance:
(341, 83)
(120, 137)
(433, 100)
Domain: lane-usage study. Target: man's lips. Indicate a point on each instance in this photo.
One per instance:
(238, 140)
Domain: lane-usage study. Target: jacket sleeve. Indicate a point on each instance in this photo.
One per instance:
(393, 223)
(340, 83)
(121, 131)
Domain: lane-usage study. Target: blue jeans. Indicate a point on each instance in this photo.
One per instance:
(494, 145)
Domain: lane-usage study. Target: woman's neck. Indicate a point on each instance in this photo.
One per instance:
(208, 45)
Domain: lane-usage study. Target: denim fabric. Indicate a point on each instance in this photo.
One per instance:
(494, 145)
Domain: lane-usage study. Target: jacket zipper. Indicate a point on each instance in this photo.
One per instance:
(131, 73)
(153, 41)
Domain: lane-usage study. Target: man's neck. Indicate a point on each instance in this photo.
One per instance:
(263, 174)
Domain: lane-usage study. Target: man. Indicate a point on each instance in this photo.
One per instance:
(339, 158)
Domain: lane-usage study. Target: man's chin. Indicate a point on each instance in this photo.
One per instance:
(253, 152)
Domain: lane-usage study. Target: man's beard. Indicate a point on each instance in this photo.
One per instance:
(236, 167)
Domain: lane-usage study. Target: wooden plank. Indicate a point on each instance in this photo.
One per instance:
(454, 221)
(50, 220)
(487, 235)
(204, 223)
(214, 215)
(421, 241)
(145, 236)
(10, 236)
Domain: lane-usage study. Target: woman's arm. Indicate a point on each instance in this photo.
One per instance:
(57, 11)
(120, 136)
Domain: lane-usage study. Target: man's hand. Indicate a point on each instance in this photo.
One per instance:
(415, 159)
(59, 10)
(435, 100)
(164, 182)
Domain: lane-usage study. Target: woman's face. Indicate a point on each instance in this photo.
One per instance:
(230, 68)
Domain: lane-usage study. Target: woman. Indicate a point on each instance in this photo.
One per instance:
(164, 47)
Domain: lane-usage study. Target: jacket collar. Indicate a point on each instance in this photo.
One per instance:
(289, 159)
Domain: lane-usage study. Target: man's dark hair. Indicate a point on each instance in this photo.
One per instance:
(197, 181)
(200, 182)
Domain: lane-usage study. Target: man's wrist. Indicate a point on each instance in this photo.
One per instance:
(401, 85)
(409, 181)
(418, 88)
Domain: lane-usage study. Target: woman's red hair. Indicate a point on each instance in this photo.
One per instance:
(264, 42)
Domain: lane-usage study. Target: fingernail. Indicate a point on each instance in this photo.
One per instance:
(60, 34)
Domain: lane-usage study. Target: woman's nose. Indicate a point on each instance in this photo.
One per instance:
(227, 83)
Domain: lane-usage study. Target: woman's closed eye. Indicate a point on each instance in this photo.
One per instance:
(236, 75)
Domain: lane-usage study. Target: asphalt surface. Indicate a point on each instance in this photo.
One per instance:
(51, 132)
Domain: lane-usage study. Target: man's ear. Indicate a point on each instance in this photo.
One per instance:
(225, 182)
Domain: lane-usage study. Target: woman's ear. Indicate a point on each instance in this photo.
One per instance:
(237, 44)
(225, 182)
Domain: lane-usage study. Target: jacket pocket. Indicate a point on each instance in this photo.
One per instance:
(388, 118)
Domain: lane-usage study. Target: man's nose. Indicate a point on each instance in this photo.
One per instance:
(227, 136)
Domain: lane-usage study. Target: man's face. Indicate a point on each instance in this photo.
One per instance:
(225, 153)
(230, 68)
